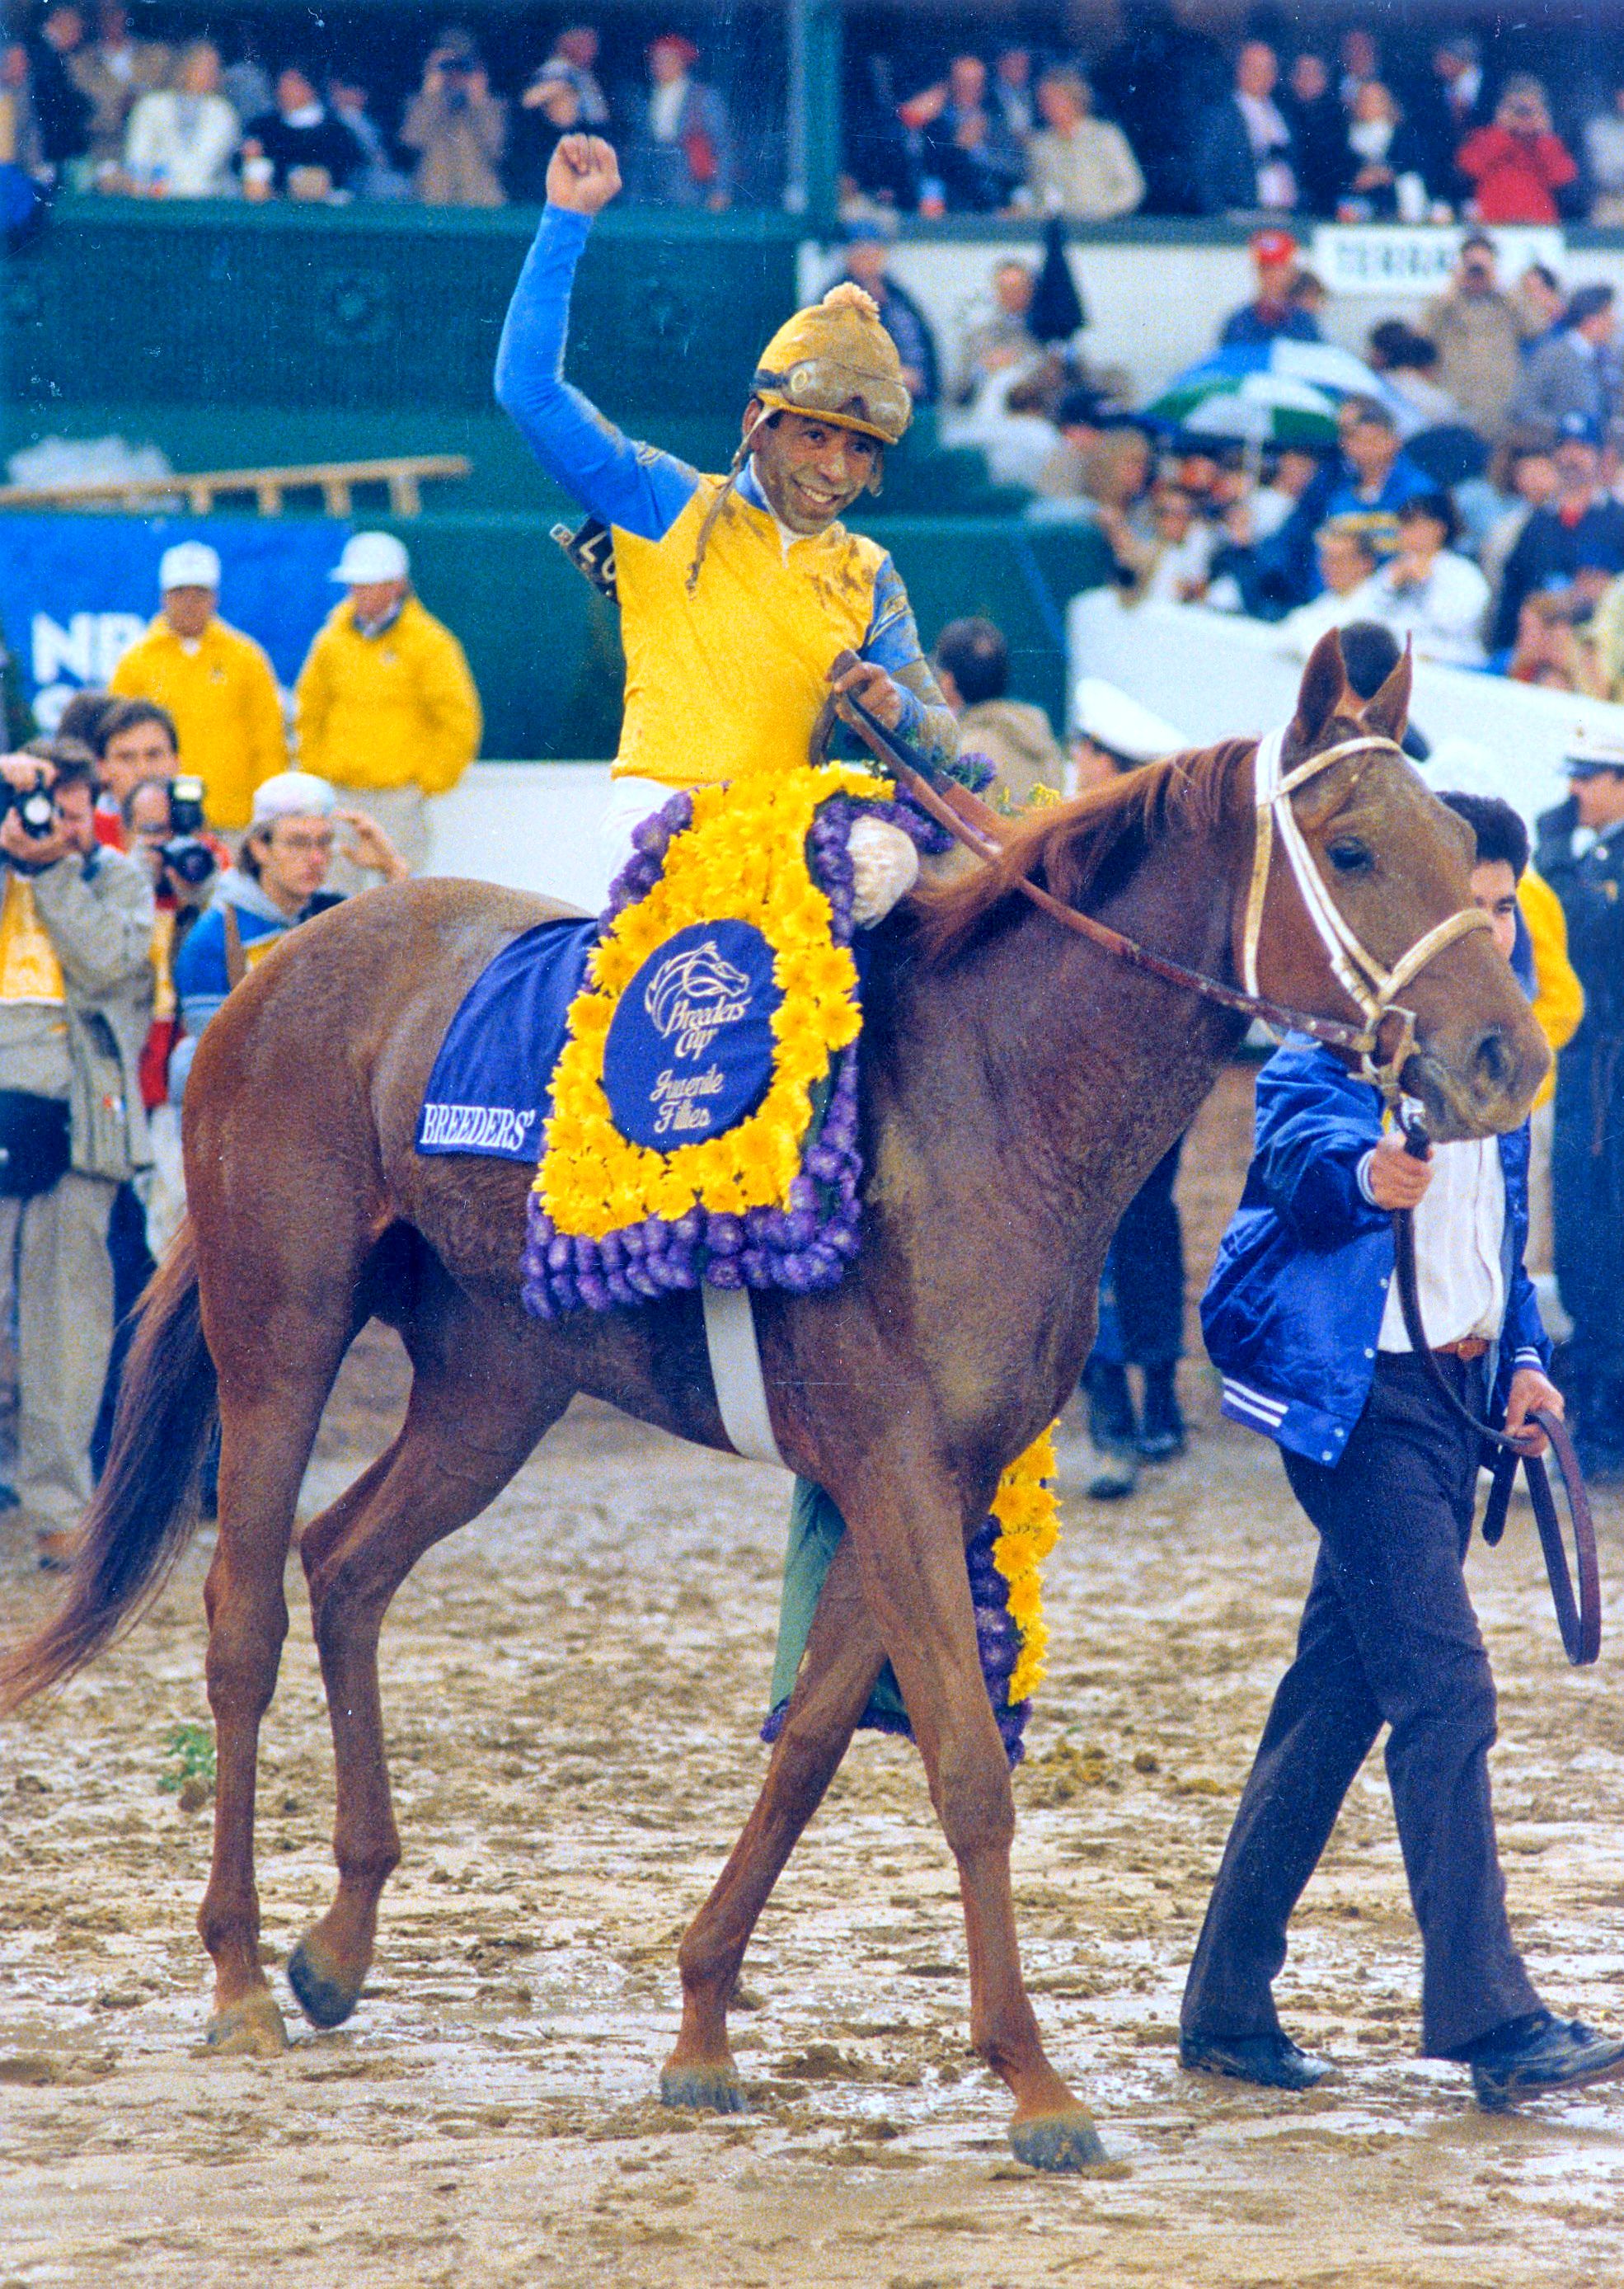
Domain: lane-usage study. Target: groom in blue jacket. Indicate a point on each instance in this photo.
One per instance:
(1303, 1319)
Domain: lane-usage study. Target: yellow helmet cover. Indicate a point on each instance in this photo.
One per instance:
(834, 361)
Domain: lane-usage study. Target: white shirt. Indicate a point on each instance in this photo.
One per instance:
(1460, 1224)
(1443, 613)
(665, 108)
(1269, 136)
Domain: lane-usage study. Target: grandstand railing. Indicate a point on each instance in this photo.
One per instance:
(404, 475)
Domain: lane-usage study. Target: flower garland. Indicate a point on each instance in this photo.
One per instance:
(614, 1222)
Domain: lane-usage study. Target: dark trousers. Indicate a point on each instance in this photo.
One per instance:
(1141, 1295)
(1387, 1637)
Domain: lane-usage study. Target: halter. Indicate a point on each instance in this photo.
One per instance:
(1369, 984)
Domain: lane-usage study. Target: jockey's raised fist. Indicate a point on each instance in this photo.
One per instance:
(583, 174)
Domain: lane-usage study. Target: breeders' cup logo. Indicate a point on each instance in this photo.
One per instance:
(693, 995)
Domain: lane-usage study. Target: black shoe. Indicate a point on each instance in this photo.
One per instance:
(1112, 1424)
(1161, 1426)
(1272, 2060)
(1532, 2056)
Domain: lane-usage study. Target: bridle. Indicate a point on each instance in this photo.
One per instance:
(1374, 988)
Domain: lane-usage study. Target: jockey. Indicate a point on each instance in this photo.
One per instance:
(736, 593)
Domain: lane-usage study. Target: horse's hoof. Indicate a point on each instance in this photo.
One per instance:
(251, 2028)
(1058, 2141)
(716, 2089)
(325, 2000)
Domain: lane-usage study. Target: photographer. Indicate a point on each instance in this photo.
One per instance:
(75, 995)
(458, 130)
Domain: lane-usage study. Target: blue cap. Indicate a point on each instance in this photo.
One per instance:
(1579, 428)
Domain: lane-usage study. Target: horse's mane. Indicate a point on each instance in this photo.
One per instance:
(1067, 847)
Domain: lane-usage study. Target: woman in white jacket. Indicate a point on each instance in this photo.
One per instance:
(1426, 592)
(180, 139)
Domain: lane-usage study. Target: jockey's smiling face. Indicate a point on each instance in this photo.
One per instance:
(811, 471)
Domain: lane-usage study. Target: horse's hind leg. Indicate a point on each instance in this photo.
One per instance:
(478, 1403)
(844, 1657)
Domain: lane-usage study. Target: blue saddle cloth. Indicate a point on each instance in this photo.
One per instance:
(493, 1076)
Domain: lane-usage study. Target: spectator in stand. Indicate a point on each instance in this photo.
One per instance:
(1543, 305)
(385, 709)
(1359, 63)
(972, 664)
(1603, 141)
(1080, 420)
(574, 58)
(181, 140)
(1079, 166)
(1574, 541)
(1406, 362)
(1455, 103)
(867, 247)
(1428, 591)
(1518, 164)
(378, 177)
(1244, 155)
(1607, 637)
(1576, 371)
(22, 144)
(1010, 98)
(245, 83)
(1347, 563)
(549, 109)
(1581, 856)
(217, 684)
(111, 72)
(1552, 649)
(60, 109)
(1478, 331)
(681, 153)
(1005, 341)
(1318, 128)
(1370, 480)
(1271, 316)
(1382, 162)
(1521, 477)
(298, 150)
(457, 129)
(1114, 482)
(1180, 548)
(76, 993)
(970, 163)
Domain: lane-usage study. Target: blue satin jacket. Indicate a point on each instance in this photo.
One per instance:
(1294, 1308)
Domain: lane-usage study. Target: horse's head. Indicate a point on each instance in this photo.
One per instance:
(1397, 866)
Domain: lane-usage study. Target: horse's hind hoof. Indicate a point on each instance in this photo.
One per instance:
(1058, 2142)
(252, 2029)
(325, 2000)
(716, 2090)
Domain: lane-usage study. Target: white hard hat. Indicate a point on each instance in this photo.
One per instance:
(293, 794)
(370, 556)
(189, 564)
(1111, 719)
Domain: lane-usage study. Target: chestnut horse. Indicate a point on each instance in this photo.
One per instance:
(1018, 1085)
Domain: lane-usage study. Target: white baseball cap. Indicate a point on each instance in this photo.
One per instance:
(370, 556)
(293, 794)
(1111, 718)
(189, 564)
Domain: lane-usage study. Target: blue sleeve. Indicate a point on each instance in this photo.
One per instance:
(893, 640)
(201, 983)
(619, 482)
(1311, 1135)
(1523, 1337)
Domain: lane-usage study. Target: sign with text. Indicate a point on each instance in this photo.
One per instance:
(1398, 259)
(76, 591)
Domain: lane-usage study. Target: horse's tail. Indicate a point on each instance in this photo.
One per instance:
(145, 1510)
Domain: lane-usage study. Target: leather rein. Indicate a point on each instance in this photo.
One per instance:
(1374, 988)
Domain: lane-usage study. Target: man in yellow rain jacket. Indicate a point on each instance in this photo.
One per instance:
(216, 682)
(384, 707)
(736, 593)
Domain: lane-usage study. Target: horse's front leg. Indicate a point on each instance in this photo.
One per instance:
(907, 1527)
(844, 1657)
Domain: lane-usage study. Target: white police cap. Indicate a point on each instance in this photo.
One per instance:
(370, 556)
(188, 564)
(1588, 752)
(1111, 719)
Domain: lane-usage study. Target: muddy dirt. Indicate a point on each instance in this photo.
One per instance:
(572, 1687)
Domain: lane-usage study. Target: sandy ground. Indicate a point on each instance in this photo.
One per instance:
(573, 1686)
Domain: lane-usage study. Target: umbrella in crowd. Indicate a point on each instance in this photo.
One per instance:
(1278, 393)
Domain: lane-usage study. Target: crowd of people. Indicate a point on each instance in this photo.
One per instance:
(153, 848)
(87, 104)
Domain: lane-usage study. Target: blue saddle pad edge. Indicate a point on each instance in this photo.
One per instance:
(492, 1078)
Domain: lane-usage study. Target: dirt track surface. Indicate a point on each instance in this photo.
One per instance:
(572, 1687)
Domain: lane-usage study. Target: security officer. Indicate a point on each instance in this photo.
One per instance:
(1580, 853)
(1142, 1293)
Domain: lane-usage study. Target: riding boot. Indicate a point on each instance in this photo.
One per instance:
(1161, 1425)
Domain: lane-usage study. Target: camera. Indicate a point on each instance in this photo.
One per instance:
(186, 856)
(35, 810)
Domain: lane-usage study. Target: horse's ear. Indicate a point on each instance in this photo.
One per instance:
(1325, 681)
(1388, 710)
